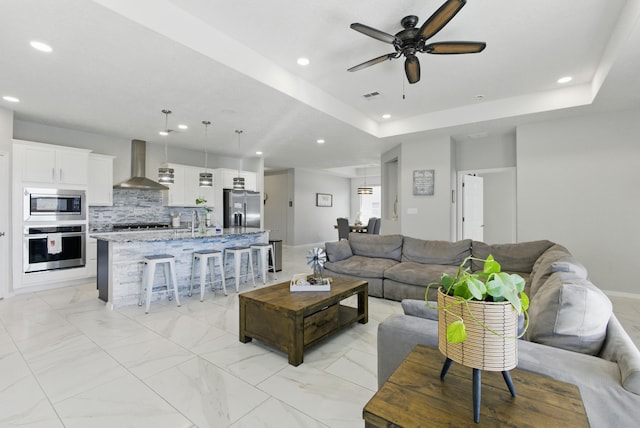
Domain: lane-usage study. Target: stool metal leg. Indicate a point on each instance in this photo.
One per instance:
(193, 269)
(224, 286)
(174, 280)
(272, 249)
(253, 277)
(143, 283)
(149, 284)
(203, 278)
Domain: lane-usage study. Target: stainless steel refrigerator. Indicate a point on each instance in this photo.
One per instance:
(241, 208)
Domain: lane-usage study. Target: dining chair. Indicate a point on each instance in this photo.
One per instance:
(376, 230)
(371, 226)
(343, 228)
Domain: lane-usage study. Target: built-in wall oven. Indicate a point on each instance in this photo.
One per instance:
(54, 247)
(53, 205)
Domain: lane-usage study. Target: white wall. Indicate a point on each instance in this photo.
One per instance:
(426, 217)
(315, 224)
(578, 184)
(6, 133)
(276, 208)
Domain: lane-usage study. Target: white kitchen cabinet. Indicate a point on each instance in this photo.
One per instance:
(227, 176)
(100, 190)
(92, 257)
(186, 189)
(51, 165)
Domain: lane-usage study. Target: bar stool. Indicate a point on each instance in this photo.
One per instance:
(148, 277)
(263, 259)
(207, 258)
(237, 253)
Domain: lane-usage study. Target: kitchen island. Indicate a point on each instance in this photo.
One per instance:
(120, 257)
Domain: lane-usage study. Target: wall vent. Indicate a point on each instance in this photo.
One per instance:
(371, 95)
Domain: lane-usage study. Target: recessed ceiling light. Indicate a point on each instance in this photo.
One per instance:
(303, 61)
(386, 116)
(42, 47)
(320, 141)
(163, 133)
(565, 79)
(258, 153)
(183, 127)
(479, 97)
(11, 99)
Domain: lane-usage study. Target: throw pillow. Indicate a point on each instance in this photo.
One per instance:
(569, 313)
(338, 250)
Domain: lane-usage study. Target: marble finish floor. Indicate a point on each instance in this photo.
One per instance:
(67, 361)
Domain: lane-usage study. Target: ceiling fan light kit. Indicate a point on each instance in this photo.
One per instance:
(411, 40)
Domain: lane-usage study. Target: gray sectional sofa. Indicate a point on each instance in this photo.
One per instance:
(573, 335)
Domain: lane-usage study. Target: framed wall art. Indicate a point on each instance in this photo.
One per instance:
(324, 200)
(423, 182)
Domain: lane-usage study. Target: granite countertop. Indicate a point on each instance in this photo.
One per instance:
(173, 234)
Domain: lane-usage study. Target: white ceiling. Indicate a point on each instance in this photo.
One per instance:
(117, 63)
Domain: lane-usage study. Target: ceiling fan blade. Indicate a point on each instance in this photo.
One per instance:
(372, 62)
(450, 48)
(440, 18)
(412, 68)
(376, 34)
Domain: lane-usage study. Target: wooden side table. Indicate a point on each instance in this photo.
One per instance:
(414, 396)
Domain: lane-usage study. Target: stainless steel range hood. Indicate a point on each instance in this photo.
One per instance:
(138, 180)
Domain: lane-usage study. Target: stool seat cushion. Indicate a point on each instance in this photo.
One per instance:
(207, 252)
(158, 256)
(237, 248)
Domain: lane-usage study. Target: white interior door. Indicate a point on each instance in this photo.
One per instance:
(472, 207)
(4, 224)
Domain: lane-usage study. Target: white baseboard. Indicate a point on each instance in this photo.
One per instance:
(626, 295)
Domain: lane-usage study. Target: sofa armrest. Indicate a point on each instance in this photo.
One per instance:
(397, 336)
(619, 347)
(419, 308)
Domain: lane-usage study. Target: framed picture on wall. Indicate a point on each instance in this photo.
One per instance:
(423, 182)
(324, 200)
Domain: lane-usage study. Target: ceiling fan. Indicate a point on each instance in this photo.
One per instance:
(412, 40)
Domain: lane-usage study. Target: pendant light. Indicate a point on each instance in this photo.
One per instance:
(206, 178)
(165, 174)
(365, 190)
(238, 182)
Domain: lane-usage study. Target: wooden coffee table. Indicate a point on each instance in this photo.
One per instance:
(414, 396)
(293, 321)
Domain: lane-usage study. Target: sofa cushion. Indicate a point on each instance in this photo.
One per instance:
(381, 246)
(555, 259)
(365, 267)
(518, 257)
(435, 252)
(418, 273)
(569, 313)
(338, 250)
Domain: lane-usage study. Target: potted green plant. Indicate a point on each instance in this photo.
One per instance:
(478, 326)
(208, 209)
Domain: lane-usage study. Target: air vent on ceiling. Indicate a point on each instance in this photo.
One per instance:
(371, 95)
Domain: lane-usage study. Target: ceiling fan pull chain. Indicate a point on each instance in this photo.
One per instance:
(403, 86)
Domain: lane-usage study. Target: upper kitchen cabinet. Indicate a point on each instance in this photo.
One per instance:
(50, 165)
(100, 190)
(186, 189)
(226, 176)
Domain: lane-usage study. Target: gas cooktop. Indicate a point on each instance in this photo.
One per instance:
(139, 226)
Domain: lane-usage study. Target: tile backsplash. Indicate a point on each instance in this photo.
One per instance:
(137, 206)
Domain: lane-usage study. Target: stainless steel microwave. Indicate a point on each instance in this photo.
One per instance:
(54, 205)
